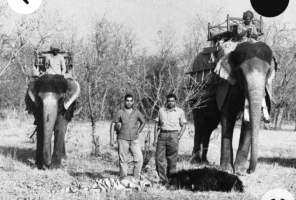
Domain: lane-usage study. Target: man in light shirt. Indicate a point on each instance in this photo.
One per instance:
(169, 128)
(55, 63)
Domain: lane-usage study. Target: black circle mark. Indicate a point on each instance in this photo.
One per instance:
(269, 8)
(26, 1)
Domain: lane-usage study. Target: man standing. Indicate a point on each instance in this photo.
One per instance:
(128, 136)
(171, 124)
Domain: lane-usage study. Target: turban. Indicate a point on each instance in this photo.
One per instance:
(54, 46)
(248, 14)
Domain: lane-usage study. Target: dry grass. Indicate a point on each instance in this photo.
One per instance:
(21, 180)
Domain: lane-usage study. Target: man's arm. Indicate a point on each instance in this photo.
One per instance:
(241, 30)
(183, 122)
(112, 141)
(63, 65)
(182, 131)
(112, 126)
(156, 132)
(142, 122)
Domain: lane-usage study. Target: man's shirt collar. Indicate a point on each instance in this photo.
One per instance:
(171, 109)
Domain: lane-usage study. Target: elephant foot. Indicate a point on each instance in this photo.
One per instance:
(199, 161)
(241, 166)
(55, 166)
(227, 168)
(240, 171)
(250, 171)
(40, 167)
(205, 161)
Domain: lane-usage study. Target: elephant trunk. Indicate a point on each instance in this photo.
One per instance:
(256, 85)
(50, 109)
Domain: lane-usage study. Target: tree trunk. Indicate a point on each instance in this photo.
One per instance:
(289, 114)
(279, 116)
(102, 114)
(95, 141)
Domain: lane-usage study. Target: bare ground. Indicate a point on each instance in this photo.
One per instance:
(21, 180)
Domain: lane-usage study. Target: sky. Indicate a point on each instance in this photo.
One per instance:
(147, 17)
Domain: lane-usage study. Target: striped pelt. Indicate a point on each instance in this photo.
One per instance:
(107, 184)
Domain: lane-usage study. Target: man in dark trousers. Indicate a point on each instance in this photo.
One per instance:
(128, 131)
(169, 128)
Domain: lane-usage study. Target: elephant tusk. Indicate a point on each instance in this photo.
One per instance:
(265, 111)
(247, 111)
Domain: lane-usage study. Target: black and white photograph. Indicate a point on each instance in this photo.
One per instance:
(147, 99)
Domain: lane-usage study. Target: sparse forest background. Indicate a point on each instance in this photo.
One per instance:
(108, 63)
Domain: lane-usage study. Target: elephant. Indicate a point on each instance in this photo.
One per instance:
(52, 100)
(243, 74)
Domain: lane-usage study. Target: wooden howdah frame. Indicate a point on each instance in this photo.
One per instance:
(39, 60)
(230, 29)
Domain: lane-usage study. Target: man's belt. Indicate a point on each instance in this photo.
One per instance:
(168, 131)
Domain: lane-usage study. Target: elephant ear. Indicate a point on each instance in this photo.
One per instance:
(72, 93)
(31, 96)
(225, 70)
(32, 91)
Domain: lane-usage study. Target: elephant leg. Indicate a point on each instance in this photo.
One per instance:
(204, 127)
(64, 152)
(199, 131)
(59, 142)
(241, 160)
(39, 147)
(208, 132)
(227, 121)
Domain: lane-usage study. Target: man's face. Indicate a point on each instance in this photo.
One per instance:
(129, 102)
(55, 52)
(248, 20)
(171, 103)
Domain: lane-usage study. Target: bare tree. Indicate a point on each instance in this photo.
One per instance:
(105, 55)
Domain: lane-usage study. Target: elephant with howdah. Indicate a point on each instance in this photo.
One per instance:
(52, 100)
(244, 74)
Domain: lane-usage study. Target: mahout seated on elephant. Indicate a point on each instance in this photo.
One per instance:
(53, 62)
(52, 100)
(244, 73)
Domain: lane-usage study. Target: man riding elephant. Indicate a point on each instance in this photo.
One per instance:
(246, 31)
(54, 63)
